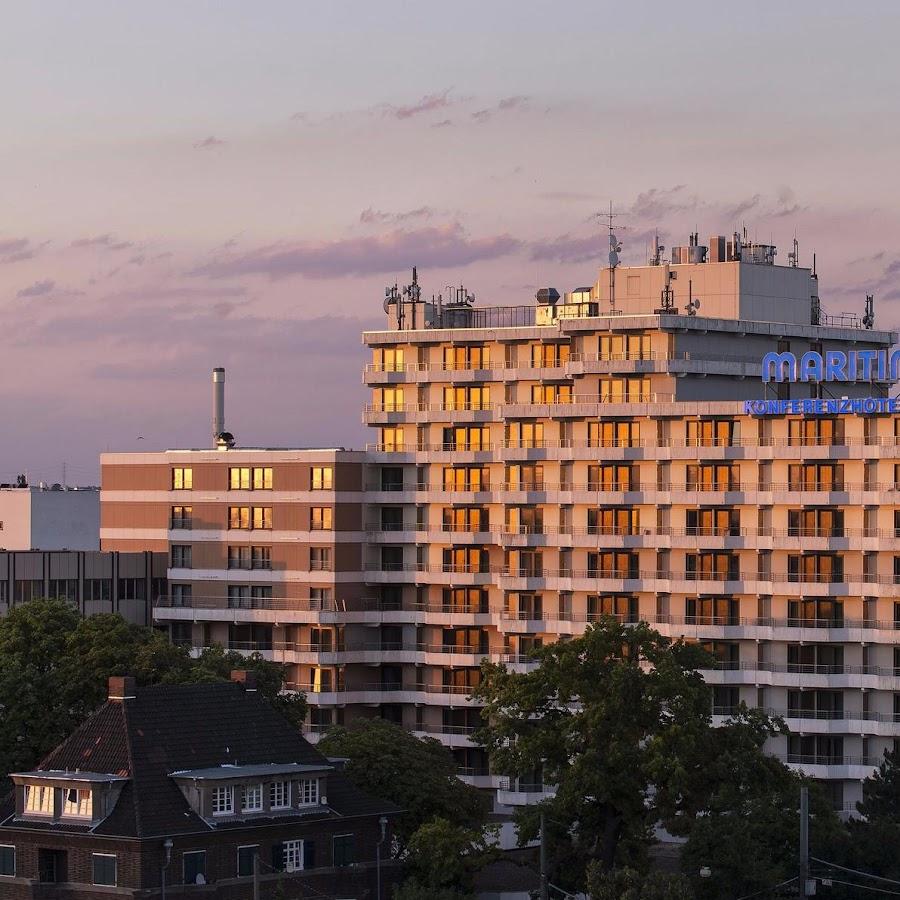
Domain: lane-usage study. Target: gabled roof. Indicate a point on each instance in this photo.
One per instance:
(172, 728)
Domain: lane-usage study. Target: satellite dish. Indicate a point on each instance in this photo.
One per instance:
(388, 303)
(613, 259)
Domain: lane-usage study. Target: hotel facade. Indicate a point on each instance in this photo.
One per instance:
(694, 444)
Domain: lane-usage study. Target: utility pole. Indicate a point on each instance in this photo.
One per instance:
(804, 841)
(545, 888)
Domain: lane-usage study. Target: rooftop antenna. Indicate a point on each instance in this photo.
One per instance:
(794, 255)
(658, 249)
(615, 248)
(869, 317)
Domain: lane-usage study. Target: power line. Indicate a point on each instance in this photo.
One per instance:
(767, 890)
(863, 887)
(825, 862)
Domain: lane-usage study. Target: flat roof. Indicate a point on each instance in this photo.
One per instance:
(258, 770)
(61, 775)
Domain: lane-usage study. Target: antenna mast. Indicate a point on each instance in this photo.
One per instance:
(614, 249)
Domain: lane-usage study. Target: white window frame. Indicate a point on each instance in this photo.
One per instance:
(82, 808)
(46, 804)
(284, 788)
(115, 860)
(223, 800)
(255, 792)
(292, 856)
(14, 859)
(308, 792)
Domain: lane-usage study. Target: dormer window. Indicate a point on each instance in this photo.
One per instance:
(308, 792)
(77, 802)
(223, 800)
(252, 798)
(280, 795)
(38, 800)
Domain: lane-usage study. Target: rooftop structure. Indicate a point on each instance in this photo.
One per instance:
(49, 517)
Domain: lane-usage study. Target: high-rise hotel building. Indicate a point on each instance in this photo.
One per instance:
(626, 449)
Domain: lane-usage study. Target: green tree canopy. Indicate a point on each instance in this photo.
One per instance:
(604, 718)
(618, 722)
(443, 859)
(418, 775)
(54, 667)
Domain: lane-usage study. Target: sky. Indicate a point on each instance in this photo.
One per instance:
(188, 184)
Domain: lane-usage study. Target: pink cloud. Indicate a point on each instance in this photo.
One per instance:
(209, 143)
(428, 103)
(38, 289)
(443, 246)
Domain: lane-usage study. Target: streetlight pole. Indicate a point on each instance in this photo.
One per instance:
(545, 887)
(383, 823)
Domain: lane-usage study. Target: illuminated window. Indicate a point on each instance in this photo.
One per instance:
(262, 479)
(239, 478)
(181, 516)
(321, 519)
(262, 517)
(39, 799)
(182, 479)
(77, 802)
(322, 478)
(238, 517)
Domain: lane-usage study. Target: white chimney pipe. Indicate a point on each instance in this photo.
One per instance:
(218, 377)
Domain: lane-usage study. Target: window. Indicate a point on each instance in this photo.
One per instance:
(320, 559)
(711, 433)
(181, 516)
(194, 866)
(251, 798)
(551, 393)
(261, 557)
(104, 867)
(223, 800)
(713, 478)
(711, 566)
(322, 478)
(181, 595)
(39, 799)
(525, 434)
(614, 433)
(343, 850)
(77, 802)
(612, 565)
(239, 478)
(238, 557)
(625, 390)
(392, 440)
(467, 398)
(815, 432)
(389, 359)
(7, 860)
(466, 478)
(815, 477)
(473, 437)
(182, 479)
(262, 517)
(132, 589)
(181, 556)
(280, 795)
(472, 357)
(307, 792)
(292, 856)
(245, 857)
(262, 479)
(63, 589)
(321, 518)
(611, 477)
(713, 521)
(97, 589)
(624, 346)
(549, 356)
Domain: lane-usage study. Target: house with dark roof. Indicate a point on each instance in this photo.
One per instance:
(196, 790)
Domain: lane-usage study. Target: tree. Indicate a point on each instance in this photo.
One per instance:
(606, 719)
(54, 667)
(629, 884)
(443, 858)
(417, 775)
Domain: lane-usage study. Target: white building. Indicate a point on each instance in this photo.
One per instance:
(49, 518)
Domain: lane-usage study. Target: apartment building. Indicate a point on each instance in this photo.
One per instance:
(695, 444)
(49, 517)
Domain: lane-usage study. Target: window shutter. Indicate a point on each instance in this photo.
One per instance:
(309, 854)
(278, 857)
